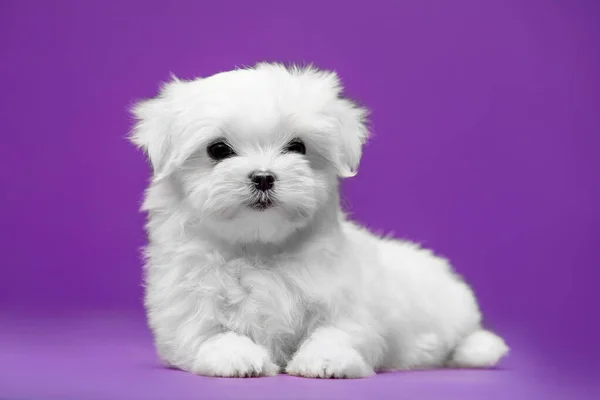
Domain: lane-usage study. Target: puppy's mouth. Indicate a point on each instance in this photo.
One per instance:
(262, 201)
(262, 205)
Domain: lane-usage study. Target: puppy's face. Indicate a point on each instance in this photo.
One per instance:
(254, 153)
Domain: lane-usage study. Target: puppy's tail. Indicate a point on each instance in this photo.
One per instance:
(480, 349)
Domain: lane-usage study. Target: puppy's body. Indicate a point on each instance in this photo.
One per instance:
(243, 282)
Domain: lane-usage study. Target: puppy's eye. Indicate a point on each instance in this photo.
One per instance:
(296, 146)
(220, 150)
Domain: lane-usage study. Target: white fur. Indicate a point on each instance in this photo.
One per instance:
(233, 291)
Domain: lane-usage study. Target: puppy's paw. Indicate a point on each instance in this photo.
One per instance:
(314, 361)
(232, 355)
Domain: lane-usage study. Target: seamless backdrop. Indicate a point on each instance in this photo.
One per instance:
(486, 133)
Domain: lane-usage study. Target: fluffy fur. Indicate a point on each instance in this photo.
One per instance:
(233, 290)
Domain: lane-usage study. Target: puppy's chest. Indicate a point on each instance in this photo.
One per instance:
(260, 302)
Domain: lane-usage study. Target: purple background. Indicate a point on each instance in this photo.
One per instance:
(486, 118)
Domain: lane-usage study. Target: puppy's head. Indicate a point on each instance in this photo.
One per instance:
(255, 153)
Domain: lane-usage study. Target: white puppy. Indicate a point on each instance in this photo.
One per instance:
(252, 267)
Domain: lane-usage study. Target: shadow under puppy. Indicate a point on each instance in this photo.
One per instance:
(252, 267)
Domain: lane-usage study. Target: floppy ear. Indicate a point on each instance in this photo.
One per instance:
(353, 133)
(153, 130)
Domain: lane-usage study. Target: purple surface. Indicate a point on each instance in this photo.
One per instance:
(110, 356)
(487, 130)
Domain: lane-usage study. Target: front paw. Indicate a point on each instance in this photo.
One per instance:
(232, 355)
(314, 361)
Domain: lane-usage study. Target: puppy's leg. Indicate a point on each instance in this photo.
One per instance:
(232, 355)
(480, 349)
(329, 352)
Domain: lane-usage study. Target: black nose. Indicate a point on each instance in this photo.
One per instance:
(263, 180)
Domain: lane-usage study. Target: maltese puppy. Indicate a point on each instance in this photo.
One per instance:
(252, 267)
